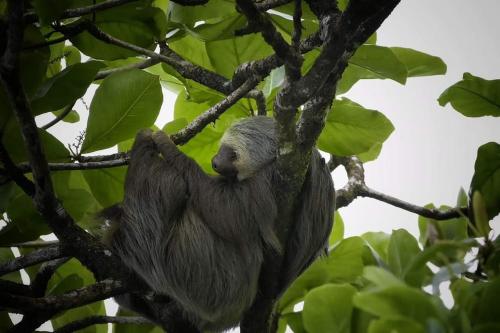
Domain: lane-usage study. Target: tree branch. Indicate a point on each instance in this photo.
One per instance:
(60, 117)
(356, 187)
(31, 17)
(32, 258)
(89, 321)
(140, 65)
(55, 303)
(212, 114)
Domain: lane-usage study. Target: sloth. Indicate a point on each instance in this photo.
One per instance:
(201, 239)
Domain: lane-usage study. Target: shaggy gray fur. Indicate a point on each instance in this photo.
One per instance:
(200, 239)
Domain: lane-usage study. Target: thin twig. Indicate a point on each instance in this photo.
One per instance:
(33, 244)
(140, 65)
(32, 258)
(76, 12)
(212, 114)
(89, 321)
(356, 187)
(60, 117)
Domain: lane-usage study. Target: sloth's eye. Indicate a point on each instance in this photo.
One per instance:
(233, 155)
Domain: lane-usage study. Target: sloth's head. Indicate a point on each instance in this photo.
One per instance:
(246, 147)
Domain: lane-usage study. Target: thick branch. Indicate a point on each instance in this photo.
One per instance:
(89, 321)
(271, 35)
(78, 297)
(168, 56)
(32, 258)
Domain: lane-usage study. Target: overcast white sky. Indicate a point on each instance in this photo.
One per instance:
(431, 153)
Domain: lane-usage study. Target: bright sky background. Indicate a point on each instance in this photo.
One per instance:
(431, 153)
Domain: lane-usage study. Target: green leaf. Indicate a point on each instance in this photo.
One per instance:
(7, 194)
(136, 23)
(329, 309)
(343, 264)
(488, 310)
(106, 184)
(418, 63)
(65, 87)
(379, 242)
(70, 276)
(72, 55)
(351, 129)
(34, 62)
(225, 29)
(480, 214)
(395, 326)
(434, 231)
(372, 62)
(403, 248)
(486, 179)
(212, 12)
(226, 55)
(294, 320)
(337, 233)
(192, 49)
(124, 103)
(54, 149)
(71, 117)
(25, 224)
(49, 10)
(381, 277)
(473, 96)
(401, 302)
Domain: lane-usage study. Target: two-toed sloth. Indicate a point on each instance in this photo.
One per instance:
(201, 239)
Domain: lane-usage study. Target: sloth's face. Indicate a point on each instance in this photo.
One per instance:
(225, 162)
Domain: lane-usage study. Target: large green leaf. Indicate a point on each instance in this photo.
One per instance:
(25, 223)
(433, 231)
(224, 29)
(106, 184)
(473, 96)
(372, 62)
(343, 264)
(124, 103)
(226, 55)
(54, 149)
(486, 177)
(378, 242)
(70, 276)
(136, 23)
(419, 63)
(65, 87)
(192, 49)
(401, 302)
(328, 309)
(395, 326)
(351, 129)
(403, 247)
(212, 12)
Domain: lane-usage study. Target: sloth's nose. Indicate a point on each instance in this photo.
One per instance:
(214, 165)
